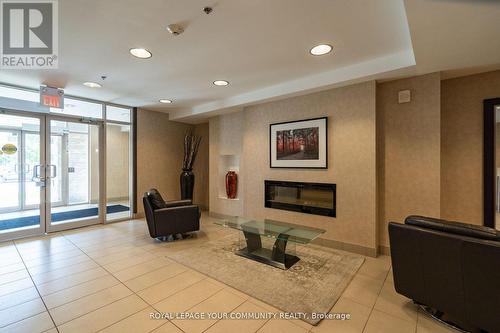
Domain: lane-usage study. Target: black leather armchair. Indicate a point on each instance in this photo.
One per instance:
(169, 218)
(452, 269)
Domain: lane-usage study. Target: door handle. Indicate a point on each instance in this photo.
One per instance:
(37, 172)
(37, 176)
(41, 182)
(52, 171)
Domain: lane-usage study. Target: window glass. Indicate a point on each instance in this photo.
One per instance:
(117, 114)
(118, 171)
(76, 107)
(20, 94)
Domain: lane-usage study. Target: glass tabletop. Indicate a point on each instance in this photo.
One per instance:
(272, 229)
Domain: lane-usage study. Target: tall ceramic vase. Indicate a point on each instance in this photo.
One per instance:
(231, 184)
(187, 184)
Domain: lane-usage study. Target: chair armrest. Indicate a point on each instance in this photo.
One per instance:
(160, 213)
(178, 203)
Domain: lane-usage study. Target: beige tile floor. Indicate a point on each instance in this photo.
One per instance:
(111, 278)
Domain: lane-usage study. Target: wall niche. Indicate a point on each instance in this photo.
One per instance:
(227, 163)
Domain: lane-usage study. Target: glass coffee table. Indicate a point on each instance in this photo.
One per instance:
(269, 242)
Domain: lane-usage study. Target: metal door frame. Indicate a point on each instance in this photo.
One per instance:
(41, 229)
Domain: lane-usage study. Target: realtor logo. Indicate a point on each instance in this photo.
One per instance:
(29, 34)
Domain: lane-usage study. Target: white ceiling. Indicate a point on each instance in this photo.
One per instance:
(260, 46)
(457, 37)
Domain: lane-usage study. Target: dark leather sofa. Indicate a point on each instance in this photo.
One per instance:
(452, 268)
(169, 218)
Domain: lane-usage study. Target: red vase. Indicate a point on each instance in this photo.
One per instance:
(231, 184)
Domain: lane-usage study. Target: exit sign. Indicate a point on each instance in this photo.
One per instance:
(52, 97)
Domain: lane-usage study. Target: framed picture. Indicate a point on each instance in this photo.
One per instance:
(299, 144)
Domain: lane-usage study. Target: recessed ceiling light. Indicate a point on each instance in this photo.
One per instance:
(92, 84)
(165, 101)
(141, 53)
(321, 49)
(221, 83)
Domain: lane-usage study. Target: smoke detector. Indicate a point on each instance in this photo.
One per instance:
(175, 29)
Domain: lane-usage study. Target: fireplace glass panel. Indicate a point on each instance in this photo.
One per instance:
(311, 198)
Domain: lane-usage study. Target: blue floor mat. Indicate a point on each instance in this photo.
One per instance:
(26, 221)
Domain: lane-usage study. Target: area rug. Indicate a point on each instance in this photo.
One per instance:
(312, 285)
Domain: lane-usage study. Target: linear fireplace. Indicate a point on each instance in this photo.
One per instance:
(309, 198)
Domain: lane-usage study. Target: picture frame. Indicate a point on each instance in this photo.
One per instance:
(300, 144)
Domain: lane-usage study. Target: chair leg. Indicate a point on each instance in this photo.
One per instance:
(442, 318)
(171, 238)
(168, 238)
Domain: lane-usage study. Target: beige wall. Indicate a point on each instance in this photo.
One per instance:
(201, 167)
(462, 144)
(159, 159)
(428, 154)
(159, 155)
(409, 163)
(351, 128)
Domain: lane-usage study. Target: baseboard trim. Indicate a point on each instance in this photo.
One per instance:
(385, 250)
(333, 244)
(110, 200)
(349, 247)
(203, 208)
(218, 215)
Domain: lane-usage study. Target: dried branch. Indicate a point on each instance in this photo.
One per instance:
(191, 146)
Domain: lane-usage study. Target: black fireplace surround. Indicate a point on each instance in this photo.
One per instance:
(309, 198)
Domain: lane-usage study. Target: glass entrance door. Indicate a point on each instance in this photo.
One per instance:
(73, 168)
(57, 172)
(49, 174)
(22, 187)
